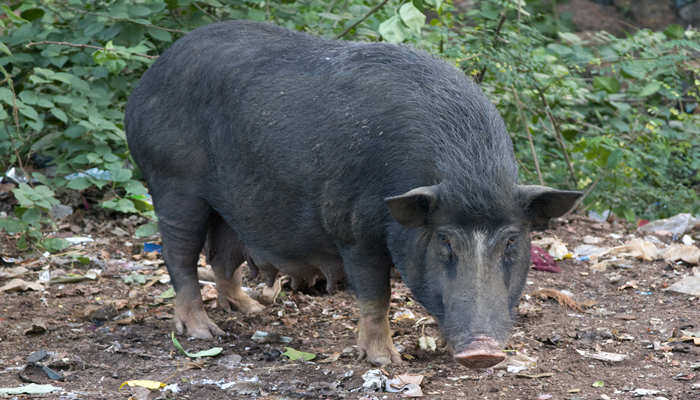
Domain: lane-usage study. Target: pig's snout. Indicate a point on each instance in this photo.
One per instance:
(482, 352)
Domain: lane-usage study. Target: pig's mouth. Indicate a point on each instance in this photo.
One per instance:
(482, 352)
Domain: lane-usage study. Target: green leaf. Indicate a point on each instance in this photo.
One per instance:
(148, 229)
(570, 38)
(607, 83)
(12, 225)
(168, 294)
(412, 17)
(435, 3)
(12, 16)
(5, 49)
(214, 351)
(135, 277)
(392, 30)
(650, 88)
(598, 384)
(32, 14)
(294, 354)
(54, 245)
(80, 183)
(674, 32)
(58, 113)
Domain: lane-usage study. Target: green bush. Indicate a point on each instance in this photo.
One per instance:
(622, 111)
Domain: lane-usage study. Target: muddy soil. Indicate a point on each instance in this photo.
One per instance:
(101, 332)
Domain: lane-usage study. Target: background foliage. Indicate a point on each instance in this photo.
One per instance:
(617, 117)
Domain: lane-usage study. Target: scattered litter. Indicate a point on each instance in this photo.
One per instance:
(427, 343)
(629, 285)
(555, 247)
(535, 376)
(676, 226)
(586, 252)
(684, 377)
(404, 314)
(20, 285)
(151, 247)
(271, 293)
(171, 388)
(602, 217)
(688, 285)
(294, 354)
(37, 327)
(331, 358)
(645, 392)
(686, 239)
(13, 272)
(266, 337)
(588, 239)
(684, 252)
(91, 173)
(406, 384)
(516, 363)
(214, 351)
(638, 248)
(32, 388)
(560, 297)
(598, 384)
(374, 380)
(542, 261)
(78, 239)
(148, 384)
(602, 355)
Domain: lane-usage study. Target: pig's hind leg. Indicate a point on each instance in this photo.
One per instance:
(183, 221)
(226, 253)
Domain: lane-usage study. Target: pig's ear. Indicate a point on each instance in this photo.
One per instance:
(542, 203)
(412, 208)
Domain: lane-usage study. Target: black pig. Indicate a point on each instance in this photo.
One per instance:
(339, 157)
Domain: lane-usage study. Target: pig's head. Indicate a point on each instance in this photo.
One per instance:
(468, 266)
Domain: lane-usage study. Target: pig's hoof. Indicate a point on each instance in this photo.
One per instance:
(200, 328)
(242, 302)
(380, 359)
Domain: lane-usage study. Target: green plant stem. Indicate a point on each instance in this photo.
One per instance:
(557, 134)
(361, 20)
(200, 8)
(15, 116)
(529, 135)
(88, 46)
(480, 77)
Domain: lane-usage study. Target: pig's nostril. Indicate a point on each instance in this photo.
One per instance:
(482, 352)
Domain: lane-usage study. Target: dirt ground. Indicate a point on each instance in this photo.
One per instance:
(98, 333)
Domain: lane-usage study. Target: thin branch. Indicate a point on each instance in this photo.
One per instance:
(124, 20)
(480, 77)
(529, 136)
(585, 194)
(197, 6)
(361, 20)
(15, 115)
(558, 136)
(88, 46)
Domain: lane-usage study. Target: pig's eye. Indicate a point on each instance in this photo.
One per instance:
(510, 243)
(445, 242)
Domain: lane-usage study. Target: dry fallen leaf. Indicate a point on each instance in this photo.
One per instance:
(20, 285)
(270, 294)
(638, 248)
(561, 298)
(683, 252)
(15, 272)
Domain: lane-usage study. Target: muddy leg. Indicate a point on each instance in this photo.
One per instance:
(182, 221)
(226, 253)
(369, 278)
